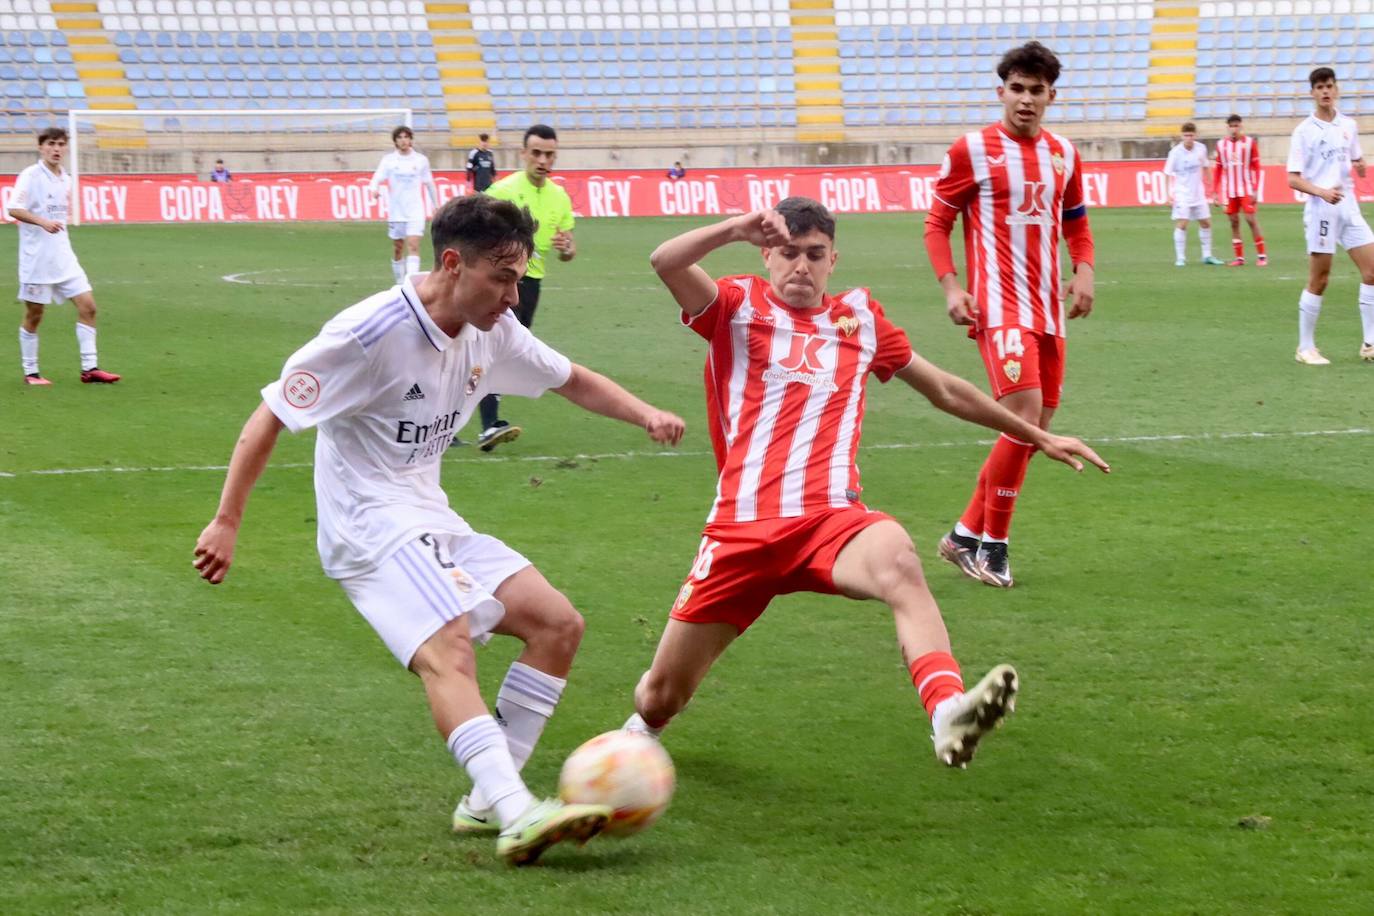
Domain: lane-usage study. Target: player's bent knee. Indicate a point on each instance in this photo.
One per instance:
(658, 698)
(903, 571)
(566, 628)
(448, 653)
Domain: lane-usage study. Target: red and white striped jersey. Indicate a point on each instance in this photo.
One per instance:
(785, 396)
(1013, 194)
(1238, 168)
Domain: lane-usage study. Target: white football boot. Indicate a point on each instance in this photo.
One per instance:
(960, 721)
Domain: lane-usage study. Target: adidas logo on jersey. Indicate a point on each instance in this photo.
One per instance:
(414, 394)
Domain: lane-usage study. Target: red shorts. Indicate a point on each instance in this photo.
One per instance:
(1235, 204)
(1019, 359)
(742, 566)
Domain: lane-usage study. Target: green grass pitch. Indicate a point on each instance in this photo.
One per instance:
(1193, 632)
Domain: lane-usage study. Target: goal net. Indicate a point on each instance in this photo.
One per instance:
(187, 142)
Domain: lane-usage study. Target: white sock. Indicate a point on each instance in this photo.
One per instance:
(962, 530)
(28, 351)
(412, 265)
(1206, 236)
(1309, 307)
(525, 702)
(398, 270)
(480, 748)
(85, 342)
(636, 723)
(1180, 243)
(1367, 311)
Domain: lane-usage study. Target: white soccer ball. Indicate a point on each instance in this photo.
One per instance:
(629, 771)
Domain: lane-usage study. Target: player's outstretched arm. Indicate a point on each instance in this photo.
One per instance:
(594, 392)
(676, 261)
(956, 396)
(215, 546)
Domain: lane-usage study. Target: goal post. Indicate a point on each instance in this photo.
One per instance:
(182, 141)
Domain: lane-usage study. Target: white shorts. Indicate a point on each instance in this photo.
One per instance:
(430, 581)
(405, 230)
(54, 293)
(1329, 225)
(1192, 211)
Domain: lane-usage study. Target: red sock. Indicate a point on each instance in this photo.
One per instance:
(936, 677)
(1239, 246)
(972, 519)
(1006, 470)
(1259, 245)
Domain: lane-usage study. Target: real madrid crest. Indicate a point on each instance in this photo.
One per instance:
(1012, 368)
(473, 380)
(461, 580)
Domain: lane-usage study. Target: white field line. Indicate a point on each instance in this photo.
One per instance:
(246, 279)
(625, 456)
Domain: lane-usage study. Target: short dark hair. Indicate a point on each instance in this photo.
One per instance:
(484, 137)
(1030, 59)
(51, 133)
(219, 162)
(402, 130)
(542, 131)
(1234, 119)
(802, 215)
(1321, 75)
(1188, 128)
(482, 226)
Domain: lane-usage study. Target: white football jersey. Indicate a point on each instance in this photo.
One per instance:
(44, 257)
(406, 178)
(1321, 151)
(388, 392)
(1189, 168)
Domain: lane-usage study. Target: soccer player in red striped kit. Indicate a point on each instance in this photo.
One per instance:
(1018, 188)
(786, 368)
(1237, 187)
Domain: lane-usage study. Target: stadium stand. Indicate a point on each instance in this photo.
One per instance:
(1257, 65)
(928, 74)
(256, 54)
(36, 67)
(602, 79)
(648, 71)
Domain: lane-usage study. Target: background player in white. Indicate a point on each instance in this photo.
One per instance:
(1187, 165)
(405, 171)
(388, 383)
(48, 270)
(1322, 151)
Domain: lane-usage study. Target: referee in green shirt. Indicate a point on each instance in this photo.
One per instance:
(552, 209)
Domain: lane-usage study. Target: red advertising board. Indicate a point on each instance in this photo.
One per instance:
(344, 196)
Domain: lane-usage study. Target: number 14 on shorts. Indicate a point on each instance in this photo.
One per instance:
(1008, 342)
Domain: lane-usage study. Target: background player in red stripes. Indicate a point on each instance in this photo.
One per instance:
(1016, 186)
(1237, 187)
(785, 376)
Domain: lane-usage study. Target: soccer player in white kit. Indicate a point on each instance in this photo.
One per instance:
(405, 171)
(1320, 156)
(48, 270)
(388, 383)
(1187, 165)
